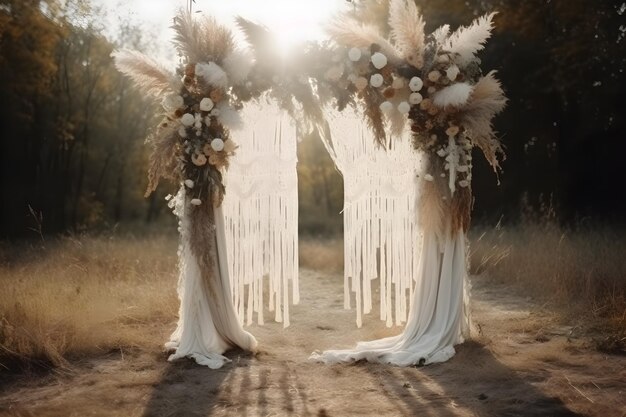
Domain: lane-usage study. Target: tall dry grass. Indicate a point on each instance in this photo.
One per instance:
(580, 271)
(79, 296)
(84, 295)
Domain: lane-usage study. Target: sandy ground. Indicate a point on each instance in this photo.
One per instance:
(520, 363)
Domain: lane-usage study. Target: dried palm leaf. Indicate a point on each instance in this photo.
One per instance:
(149, 76)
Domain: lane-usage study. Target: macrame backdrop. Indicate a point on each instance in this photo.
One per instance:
(380, 220)
(261, 211)
(421, 257)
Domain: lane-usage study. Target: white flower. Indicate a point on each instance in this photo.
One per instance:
(207, 120)
(361, 83)
(376, 80)
(464, 183)
(217, 144)
(206, 104)
(398, 83)
(187, 120)
(416, 84)
(189, 183)
(452, 72)
(215, 112)
(462, 168)
(196, 202)
(182, 132)
(404, 107)
(428, 177)
(173, 102)
(442, 152)
(168, 197)
(379, 60)
(354, 54)
(386, 107)
(415, 98)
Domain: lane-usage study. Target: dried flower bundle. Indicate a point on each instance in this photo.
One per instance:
(434, 82)
(192, 143)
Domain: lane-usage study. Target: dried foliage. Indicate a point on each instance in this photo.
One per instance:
(466, 41)
(486, 101)
(201, 40)
(407, 30)
(148, 75)
(164, 161)
(348, 32)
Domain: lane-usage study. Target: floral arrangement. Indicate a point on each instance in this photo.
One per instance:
(192, 143)
(433, 82)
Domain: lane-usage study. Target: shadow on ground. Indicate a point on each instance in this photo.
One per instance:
(473, 381)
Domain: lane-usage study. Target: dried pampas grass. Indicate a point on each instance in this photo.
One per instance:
(238, 65)
(149, 76)
(456, 95)
(407, 30)
(486, 101)
(350, 33)
(441, 35)
(466, 41)
(201, 40)
(163, 162)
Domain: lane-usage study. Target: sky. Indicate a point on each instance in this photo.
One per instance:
(292, 20)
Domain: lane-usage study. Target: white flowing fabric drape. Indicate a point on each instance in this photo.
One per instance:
(208, 324)
(439, 317)
(261, 213)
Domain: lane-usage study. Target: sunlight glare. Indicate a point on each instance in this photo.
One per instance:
(292, 21)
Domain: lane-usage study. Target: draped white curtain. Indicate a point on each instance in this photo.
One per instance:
(207, 324)
(261, 214)
(418, 260)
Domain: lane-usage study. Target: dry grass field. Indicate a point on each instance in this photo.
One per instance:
(579, 273)
(76, 296)
(93, 312)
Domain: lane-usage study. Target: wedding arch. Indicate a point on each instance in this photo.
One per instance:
(425, 104)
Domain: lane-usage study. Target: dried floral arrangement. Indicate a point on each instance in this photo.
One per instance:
(433, 82)
(394, 73)
(192, 143)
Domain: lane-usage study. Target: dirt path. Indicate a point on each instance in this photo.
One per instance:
(521, 364)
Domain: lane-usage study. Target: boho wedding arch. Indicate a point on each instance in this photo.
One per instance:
(391, 77)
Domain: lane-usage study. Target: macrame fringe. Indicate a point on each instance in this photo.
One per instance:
(261, 214)
(381, 232)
